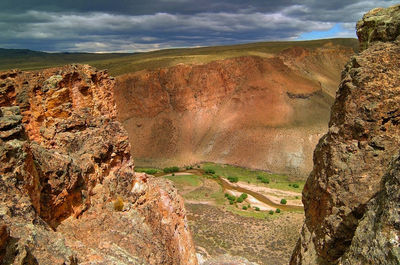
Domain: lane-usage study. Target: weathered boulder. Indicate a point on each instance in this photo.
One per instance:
(352, 158)
(68, 190)
(379, 24)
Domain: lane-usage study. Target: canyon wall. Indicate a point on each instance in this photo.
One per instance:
(259, 112)
(351, 198)
(68, 190)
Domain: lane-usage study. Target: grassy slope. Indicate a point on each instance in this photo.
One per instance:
(277, 181)
(118, 64)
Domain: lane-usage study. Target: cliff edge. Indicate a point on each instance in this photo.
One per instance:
(68, 190)
(351, 197)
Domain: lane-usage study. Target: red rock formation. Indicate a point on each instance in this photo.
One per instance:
(352, 158)
(250, 111)
(66, 164)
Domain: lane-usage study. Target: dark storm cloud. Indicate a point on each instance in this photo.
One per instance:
(123, 25)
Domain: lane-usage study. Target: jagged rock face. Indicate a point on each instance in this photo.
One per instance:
(351, 160)
(250, 111)
(68, 190)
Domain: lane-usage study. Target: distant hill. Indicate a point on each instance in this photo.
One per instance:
(121, 63)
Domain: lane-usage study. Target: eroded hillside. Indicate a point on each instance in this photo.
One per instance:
(261, 112)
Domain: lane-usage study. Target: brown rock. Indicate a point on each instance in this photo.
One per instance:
(65, 160)
(352, 158)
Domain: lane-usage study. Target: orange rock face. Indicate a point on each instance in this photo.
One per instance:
(68, 190)
(257, 112)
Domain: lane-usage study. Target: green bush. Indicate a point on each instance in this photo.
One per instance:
(263, 179)
(231, 202)
(256, 208)
(233, 179)
(239, 200)
(173, 174)
(244, 196)
(171, 169)
(226, 195)
(283, 201)
(189, 167)
(149, 171)
(295, 186)
(271, 212)
(244, 207)
(278, 210)
(209, 171)
(297, 197)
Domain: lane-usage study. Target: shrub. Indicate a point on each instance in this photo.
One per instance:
(233, 179)
(259, 177)
(265, 180)
(244, 207)
(231, 202)
(189, 167)
(283, 201)
(271, 212)
(118, 204)
(209, 171)
(244, 196)
(226, 195)
(171, 169)
(173, 174)
(256, 208)
(239, 200)
(290, 185)
(278, 210)
(297, 197)
(231, 198)
(149, 171)
(198, 166)
(295, 186)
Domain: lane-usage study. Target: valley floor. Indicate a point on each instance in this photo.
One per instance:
(248, 232)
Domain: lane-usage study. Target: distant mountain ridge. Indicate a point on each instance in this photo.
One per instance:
(122, 63)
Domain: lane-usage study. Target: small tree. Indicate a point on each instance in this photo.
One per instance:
(278, 210)
(283, 201)
(256, 208)
(271, 212)
(233, 179)
(244, 207)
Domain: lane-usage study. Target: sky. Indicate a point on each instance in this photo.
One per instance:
(137, 26)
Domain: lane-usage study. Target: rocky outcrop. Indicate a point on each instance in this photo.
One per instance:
(257, 112)
(68, 190)
(350, 218)
(379, 24)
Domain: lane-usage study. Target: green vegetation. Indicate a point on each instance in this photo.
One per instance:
(257, 208)
(296, 186)
(118, 63)
(233, 179)
(283, 201)
(259, 177)
(171, 169)
(189, 167)
(278, 210)
(271, 212)
(209, 171)
(185, 180)
(150, 171)
(244, 207)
